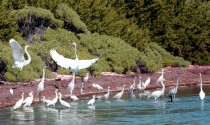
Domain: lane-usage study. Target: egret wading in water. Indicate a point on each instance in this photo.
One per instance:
(18, 55)
(40, 86)
(73, 64)
(28, 101)
(119, 95)
(158, 93)
(19, 103)
(201, 94)
(106, 96)
(92, 101)
(63, 103)
(73, 97)
(141, 86)
(45, 100)
(54, 101)
(172, 92)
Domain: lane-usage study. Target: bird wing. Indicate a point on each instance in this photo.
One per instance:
(17, 50)
(61, 60)
(82, 64)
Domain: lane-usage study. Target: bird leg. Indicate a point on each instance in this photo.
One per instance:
(171, 97)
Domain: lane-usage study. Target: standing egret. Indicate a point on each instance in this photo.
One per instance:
(28, 101)
(11, 91)
(45, 100)
(19, 102)
(64, 103)
(81, 88)
(85, 79)
(54, 101)
(161, 79)
(158, 93)
(132, 87)
(201, 94)
(71, 85)
(119, 95)
(97, 86)
(40, 86)
(73, 97)
(92, 101)
(172, 92)
(106, 96)
(74, 64)
(141, 85)
(147, 82)
(18, 55)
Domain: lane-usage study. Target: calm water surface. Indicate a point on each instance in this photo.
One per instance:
(186, 109)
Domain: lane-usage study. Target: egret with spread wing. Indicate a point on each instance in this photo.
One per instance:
(74, 64)
(18, 55)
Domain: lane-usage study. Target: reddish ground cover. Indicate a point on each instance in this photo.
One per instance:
(189, 77)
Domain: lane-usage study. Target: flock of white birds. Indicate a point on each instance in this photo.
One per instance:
(75, 65)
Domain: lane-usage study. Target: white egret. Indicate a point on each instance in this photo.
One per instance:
(132, 87)
(92, 101)
(28, 101)
(85, 79)
(161, 79)
(18, 55)
(64, 103)
(40, 86)
(19, 102)
(73, 97)
(45, 100)
(119, 95)
(81, 88)
(141, 85)
(97, 86)
(71, 85)
(201, 94)
(106, 96)
(147, 82)
(11, 91)
(158, 93)
(54, 101)
(172, 92)
(74, 64)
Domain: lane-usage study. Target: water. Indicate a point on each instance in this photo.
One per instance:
(186, 109)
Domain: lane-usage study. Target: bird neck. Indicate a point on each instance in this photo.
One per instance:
(60, 97)
(177, 82)
(43, 75)
(122, 89)
(163, 87)
(162, 73)
(29, 57)
(201, 87)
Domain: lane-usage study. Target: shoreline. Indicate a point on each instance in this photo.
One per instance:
(189, 77)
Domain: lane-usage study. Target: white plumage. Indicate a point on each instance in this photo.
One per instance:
(132, 87)
(45, 100)
(28, 101)
(106, 96)
(92, 101)
(54, 101)
(18, 55)
(172, 92)
(40, 86)
(74, 98)
(11, 91)
(97, 86)
(201, 94)
(119, 95)
(85, 79)
(19, 103)
(158, 93)
(64, 103)
(161, 79)
(71, 85)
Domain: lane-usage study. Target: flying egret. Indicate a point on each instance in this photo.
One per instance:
(71, 85)
(11, 91)
(18, 55)
(161, 79)
(106, 96)
(97, 86)
(19, 102)
(73, 97)
(201, 94)
(54, 101)
(73, 64)
(132, 87)
(92, 101)
(158, 93)
(40, 86)
(28, 101)
(64, 103)
(172, 92)
(119, 95)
